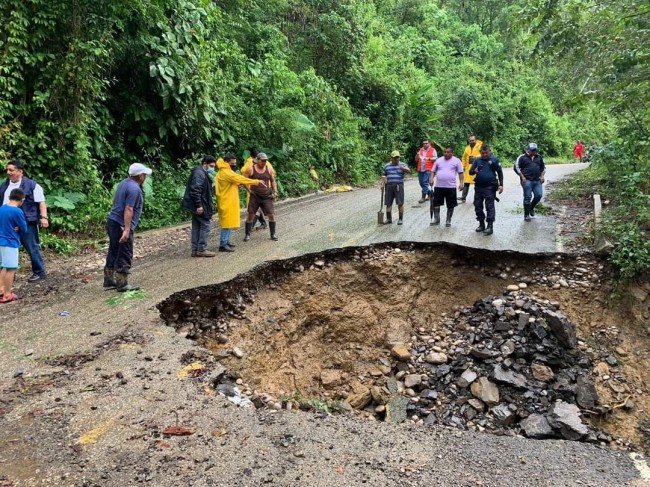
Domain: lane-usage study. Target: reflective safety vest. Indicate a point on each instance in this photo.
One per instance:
(429, 157)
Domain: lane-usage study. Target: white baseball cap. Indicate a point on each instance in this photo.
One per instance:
(136, 169)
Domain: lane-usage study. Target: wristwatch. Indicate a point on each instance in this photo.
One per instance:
(44, 216)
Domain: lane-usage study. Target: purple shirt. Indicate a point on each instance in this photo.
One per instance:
(446, 171)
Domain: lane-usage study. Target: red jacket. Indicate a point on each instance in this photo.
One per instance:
(429, 158)
(578, 150)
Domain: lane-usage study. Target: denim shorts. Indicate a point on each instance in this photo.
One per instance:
(8, 258)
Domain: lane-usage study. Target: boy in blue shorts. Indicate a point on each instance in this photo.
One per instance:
(12, 221)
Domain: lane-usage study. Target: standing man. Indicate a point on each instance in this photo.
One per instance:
(249, 163)
(530, 168)
(392, 182)
(35, 211)
(122, 220)
(472, 151)
(579, 151)
(198, 201)
(443, 180)
(228, 198)
(261, 197)
(488, 181)
(424, 160)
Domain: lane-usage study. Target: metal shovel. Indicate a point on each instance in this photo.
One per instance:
(380, 213)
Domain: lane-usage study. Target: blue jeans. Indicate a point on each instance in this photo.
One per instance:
(32, 243)
(532, 188)
(225, 236)
(200, 233)
(120, 255)
(423, 178)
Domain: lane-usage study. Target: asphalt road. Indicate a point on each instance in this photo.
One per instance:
(356, 453)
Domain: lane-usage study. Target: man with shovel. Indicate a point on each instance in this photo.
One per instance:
(443, 180)
(392, 185)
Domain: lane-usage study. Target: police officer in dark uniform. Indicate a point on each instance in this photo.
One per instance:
(488, 181)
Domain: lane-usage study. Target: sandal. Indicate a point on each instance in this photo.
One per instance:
(8, 299)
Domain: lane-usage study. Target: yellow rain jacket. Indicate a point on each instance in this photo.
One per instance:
(249, 162)
(475, 152)
(228, 195)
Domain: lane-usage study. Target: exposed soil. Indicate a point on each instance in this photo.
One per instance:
(344, 314)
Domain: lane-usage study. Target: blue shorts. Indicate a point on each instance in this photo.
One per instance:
(8, 258)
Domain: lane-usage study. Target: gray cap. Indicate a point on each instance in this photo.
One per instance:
(263, 157)
(136, 169)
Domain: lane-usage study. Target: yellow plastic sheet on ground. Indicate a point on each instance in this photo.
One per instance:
(339, 188)
(189, 369)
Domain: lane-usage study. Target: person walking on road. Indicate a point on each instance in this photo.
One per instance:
(488, 181)
(471, 152)
(392, 182)
(530, 168)
(424, 160)
(579, 151)
(228, 198)
(35, 211)
(122, 221)
(443, 180)
(261, 197)
(198, 201)
(12, 225)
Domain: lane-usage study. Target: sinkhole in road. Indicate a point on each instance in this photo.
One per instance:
(424, 333)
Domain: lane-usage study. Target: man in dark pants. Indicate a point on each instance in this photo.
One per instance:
(198, 201)
(122, 220)
(488, 181)
(35, 211)
(530, 168)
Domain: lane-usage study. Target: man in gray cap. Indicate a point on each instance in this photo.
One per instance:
(122, 220)
(530, 168)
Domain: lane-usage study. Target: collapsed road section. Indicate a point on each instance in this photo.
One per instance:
(419, 333)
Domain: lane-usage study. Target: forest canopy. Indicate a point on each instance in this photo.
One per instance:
(88, 87)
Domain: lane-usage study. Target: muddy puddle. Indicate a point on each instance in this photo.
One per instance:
(429, 333)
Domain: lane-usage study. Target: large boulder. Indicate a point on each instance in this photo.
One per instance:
(565, 418)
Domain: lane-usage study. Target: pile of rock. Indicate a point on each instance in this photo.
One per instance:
(507, 364)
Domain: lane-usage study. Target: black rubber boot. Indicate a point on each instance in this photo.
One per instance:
(532, 211)
(249, 227)
(436, 216)
(389, 218)
(527, 213)
(122, 283)
(109, 278)
(272, 231)
(400, 220)
(465, 193)
(450, 213)
(260, 218)
(489, 230)
(481, 226)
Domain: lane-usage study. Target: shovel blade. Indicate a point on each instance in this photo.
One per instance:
(380, 217)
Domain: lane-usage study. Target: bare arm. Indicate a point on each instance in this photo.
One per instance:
(128, 217)
(42, 208)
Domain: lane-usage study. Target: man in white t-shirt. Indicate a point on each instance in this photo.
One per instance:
(35, 211)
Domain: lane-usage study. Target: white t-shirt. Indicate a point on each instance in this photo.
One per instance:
(38, 192)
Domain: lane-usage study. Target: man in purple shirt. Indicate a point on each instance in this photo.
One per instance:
(443, 180)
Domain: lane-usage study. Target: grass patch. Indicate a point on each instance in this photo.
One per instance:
(122, 298)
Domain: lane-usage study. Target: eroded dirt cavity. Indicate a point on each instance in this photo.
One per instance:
(388, 331)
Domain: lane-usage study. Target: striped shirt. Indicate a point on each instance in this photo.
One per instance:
(394, 173)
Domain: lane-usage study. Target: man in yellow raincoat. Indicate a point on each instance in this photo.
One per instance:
(248, 164)
(228, 198)
(472, 151)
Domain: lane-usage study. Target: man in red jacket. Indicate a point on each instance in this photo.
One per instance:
(579, 151)
(424, 160)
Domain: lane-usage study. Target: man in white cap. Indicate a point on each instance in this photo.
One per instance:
(530, 168)
(122, 220)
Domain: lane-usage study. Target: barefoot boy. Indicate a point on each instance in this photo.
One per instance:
(12, 221)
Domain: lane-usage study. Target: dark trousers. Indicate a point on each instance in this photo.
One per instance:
(119, 255)
(200, 233)
(32, 243)
(484, 195)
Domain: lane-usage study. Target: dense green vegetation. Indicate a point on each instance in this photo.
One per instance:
(87, 88)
